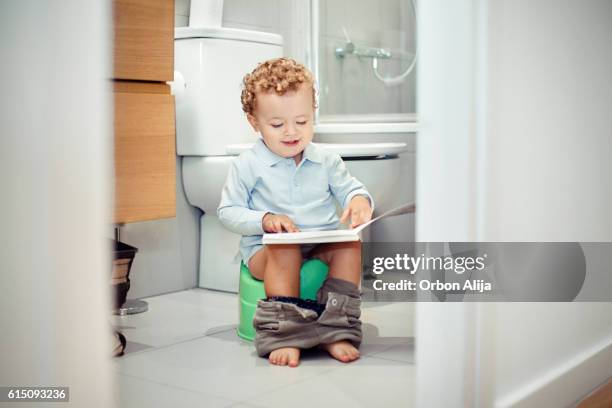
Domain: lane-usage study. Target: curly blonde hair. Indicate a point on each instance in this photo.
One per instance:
(279, 75)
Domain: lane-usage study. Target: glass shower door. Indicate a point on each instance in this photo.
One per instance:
(365, 61)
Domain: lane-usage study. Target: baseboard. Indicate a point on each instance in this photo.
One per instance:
(566, 384)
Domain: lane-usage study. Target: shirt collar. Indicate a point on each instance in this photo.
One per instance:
(267, 155)
(311, 152)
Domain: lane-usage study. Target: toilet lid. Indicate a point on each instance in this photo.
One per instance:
(343, 149)
(181, 33)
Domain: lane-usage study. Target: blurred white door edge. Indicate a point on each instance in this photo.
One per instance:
(514, 140)
(55, 167)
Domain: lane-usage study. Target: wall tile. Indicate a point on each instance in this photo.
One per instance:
(181, 21)
(389, 15)
(333, 17)
(181, 7)
(365, 14)
(263, 13)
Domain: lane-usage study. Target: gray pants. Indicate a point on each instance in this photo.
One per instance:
(279, 324)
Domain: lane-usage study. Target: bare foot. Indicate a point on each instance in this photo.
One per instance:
(285, 356)
(342, 351)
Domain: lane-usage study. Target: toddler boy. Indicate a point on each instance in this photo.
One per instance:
(287, 184)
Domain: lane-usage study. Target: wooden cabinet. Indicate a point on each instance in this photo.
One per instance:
(145, 168)
(144, 40)
(144, 116)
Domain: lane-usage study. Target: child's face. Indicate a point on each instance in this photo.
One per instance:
(285, 121)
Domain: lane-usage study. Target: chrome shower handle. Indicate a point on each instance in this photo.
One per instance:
(367, 52)
(362, 52)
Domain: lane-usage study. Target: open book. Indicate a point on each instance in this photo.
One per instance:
(340, 235)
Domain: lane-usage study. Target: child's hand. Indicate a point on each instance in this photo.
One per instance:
(358, 210)
(278, 223)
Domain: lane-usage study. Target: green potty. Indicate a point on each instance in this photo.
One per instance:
(312, 275)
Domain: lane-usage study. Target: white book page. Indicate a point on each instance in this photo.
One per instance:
(329, 235)
(402, 209)
(314, 234)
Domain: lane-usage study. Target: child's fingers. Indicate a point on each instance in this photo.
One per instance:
(289, 226)
(278, 226)
(345, 215)
(358, 218)
(366, 216)
(354, 218)
(267, 226)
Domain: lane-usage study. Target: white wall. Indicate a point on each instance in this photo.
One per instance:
(549, 99)
(55, 173)
(181, 13)
(554, 59)
(515, 102)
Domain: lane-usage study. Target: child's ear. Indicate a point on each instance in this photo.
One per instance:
(253, 121)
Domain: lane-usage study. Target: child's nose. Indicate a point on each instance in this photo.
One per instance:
(291, 129)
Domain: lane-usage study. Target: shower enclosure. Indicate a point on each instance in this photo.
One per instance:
(363, 53)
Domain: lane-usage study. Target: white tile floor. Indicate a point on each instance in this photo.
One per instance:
(184, 352)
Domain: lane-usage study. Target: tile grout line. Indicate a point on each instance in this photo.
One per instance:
(290, 384)
(207, 394)
(390, 359)
(387, 348)
(342, 366)
(154, 348)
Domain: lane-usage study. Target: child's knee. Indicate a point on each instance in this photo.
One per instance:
(284, 248)
(346, 251)
(346, 246)
(286, 253)
(354, 247)
(257, 264)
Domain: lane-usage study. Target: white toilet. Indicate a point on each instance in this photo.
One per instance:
(211, 130)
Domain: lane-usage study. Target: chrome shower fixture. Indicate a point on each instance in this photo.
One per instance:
(365, 52)
(378, 53)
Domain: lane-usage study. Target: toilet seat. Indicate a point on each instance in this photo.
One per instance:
(204, 176)
(343, 149)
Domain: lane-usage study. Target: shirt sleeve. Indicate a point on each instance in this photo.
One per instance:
(233, 210)
(344, 186)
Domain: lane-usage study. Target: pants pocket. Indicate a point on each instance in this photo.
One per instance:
(341, 311)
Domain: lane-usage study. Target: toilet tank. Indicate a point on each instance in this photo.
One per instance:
(209, 66)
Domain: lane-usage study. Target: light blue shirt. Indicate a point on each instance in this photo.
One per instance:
(260, 181)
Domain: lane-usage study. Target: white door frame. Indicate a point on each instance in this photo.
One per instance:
(454, 350)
